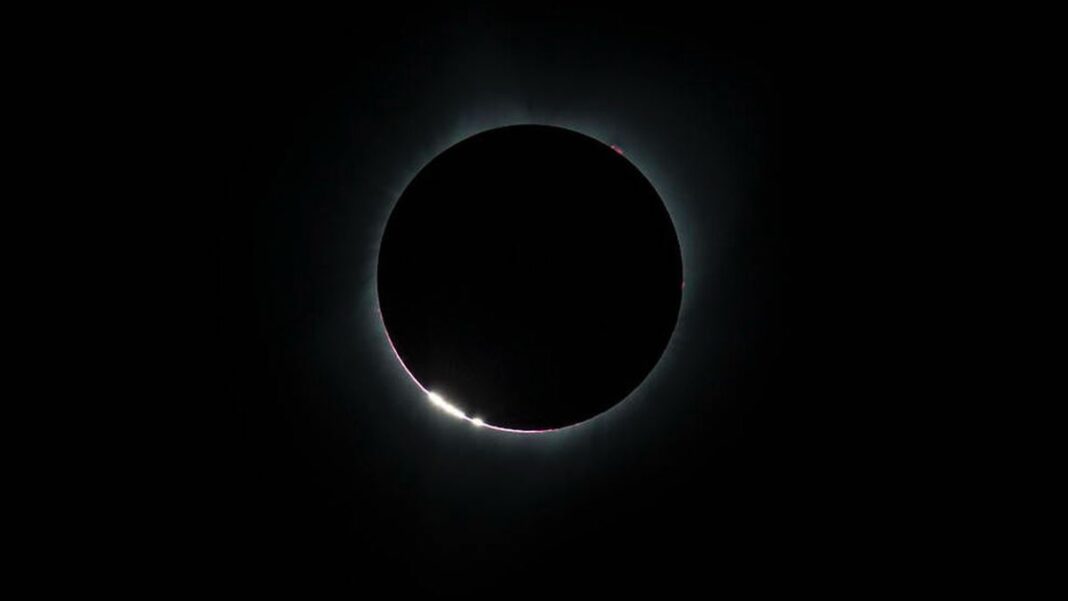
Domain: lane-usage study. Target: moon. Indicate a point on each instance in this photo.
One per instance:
(529, 278)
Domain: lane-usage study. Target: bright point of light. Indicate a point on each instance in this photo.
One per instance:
(439, 401)
(445, 406)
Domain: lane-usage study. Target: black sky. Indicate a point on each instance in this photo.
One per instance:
(743, 455)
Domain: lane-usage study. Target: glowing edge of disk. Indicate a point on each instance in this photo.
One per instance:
(438, 401)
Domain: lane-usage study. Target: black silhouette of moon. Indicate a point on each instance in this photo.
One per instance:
(529, 278)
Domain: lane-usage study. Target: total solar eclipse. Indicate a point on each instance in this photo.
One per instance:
(529, 278)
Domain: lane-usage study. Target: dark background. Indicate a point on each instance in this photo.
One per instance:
(749, 453)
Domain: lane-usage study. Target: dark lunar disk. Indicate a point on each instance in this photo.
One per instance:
(531, 276)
